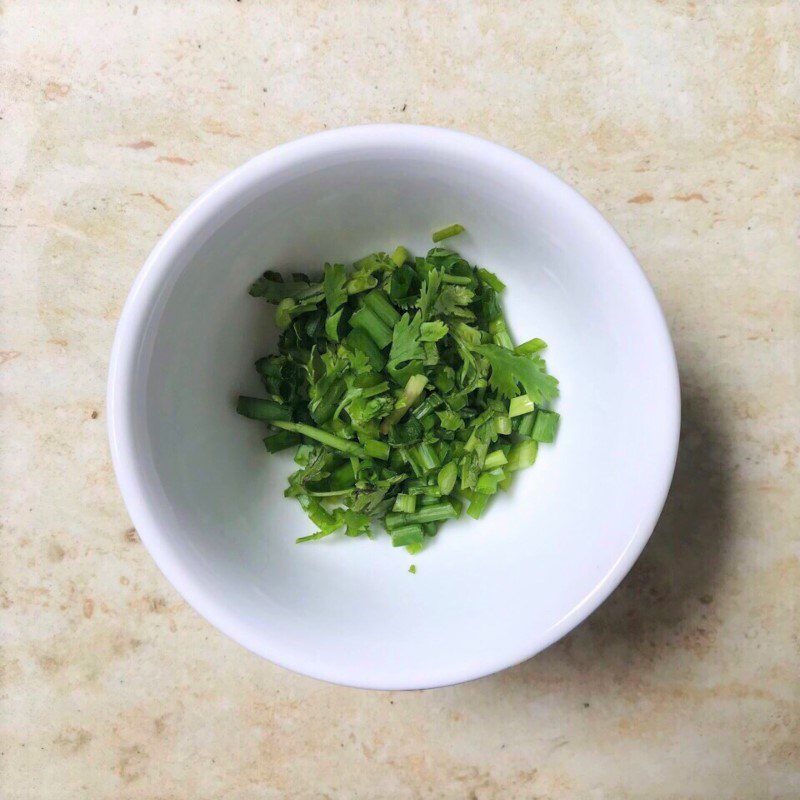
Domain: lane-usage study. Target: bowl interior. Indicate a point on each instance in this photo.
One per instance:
(486, 594)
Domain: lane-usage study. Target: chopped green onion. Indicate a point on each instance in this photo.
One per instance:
(413, 389)
(490, 279)
(424, 489)
(266, 410)
(377, 449)
(500, 334)
(369, 322)
(487, 482)
(434, 513)
(400, 255)
(478, 505)
(281, 441)
(530, 347)
(379, 304)
(525, 427)
(458, 280)
(521, 455)
(405, 535)
(502, 425)
(405, 503)
(545, 426)
(425, 456)
(495, 459)
(446, 233)
(520, 405)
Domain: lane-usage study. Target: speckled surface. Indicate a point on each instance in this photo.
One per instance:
(679, 120)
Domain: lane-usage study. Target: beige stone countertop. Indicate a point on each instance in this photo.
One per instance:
(680, 121)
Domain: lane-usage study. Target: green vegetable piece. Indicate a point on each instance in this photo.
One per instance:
(495, 459)
(425, 490)
(326, 522)
(487, 482)
(333, 282)
(379, 304)
(428, 293)
(266, 410)
(400, 255)
(405, 503)
(313, 536)
(413, 389)
(545, 426)
(289, 309)
(491, 280)
(333, 326)
(530, 347)
(323, 407)
(377, 449)
(404, 285)
(368, 321)
(452, 301)
(502, 425)
(425, 457)
(336, 442)
(500, 334)
(281, 441)
(478, 505)
(446, 233)
(342, 477)
(356, 524)
(433, 513)
(272, 287)
(521, 455)
(405, 340)
(519, 405)
(509, 369)
(427, 406)
(361, 341)
(460, 280)
(407, 535)
(449, 420)
(446, 479)
(432, 331)
(525, 427)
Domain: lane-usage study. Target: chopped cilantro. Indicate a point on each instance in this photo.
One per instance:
(398, 386)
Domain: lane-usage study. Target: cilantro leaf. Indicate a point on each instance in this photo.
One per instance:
(429, 292)
(509, 369)
(433, 331)
(272, 287)
(406, 344)
(333, 285)
(452, 301)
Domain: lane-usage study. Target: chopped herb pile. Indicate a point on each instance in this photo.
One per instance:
(399, 387)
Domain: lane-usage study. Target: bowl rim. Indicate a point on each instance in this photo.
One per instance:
(127, 349)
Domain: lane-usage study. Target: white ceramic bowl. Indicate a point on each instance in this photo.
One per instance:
(206, 498)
